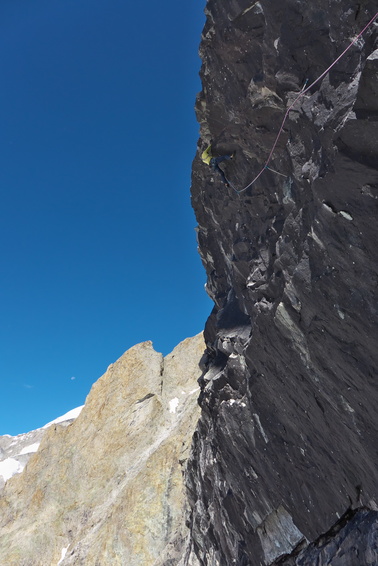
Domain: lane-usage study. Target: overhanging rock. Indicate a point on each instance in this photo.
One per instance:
(284, 461)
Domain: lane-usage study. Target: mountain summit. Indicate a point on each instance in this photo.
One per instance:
(107, 487)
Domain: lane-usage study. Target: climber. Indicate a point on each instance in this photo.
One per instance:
(209, 159)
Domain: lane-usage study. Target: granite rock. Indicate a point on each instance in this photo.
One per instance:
(16, 451)
(108, 488)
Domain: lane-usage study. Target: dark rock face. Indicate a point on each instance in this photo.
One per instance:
(286, 449)
(353, 540)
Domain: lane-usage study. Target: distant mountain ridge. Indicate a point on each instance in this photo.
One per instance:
(15, 451)
(104, 483)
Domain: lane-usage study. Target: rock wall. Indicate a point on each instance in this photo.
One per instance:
(284, 461)
(108, 488)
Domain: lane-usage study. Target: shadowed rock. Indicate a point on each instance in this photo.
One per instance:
(287, 440)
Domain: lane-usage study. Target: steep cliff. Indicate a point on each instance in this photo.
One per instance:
(284, 461)
(108, 489)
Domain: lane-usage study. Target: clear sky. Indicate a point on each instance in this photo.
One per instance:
(98, 248)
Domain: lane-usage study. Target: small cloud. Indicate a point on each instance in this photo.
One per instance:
(27, 386)
(73, 378)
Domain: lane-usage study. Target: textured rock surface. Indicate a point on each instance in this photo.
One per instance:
(287, 441)
(15, 451)
(108, 489)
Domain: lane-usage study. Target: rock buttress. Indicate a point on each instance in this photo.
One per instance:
(108, 489)
(284, 461)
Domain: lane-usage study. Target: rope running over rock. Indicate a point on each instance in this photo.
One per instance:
(302, 93)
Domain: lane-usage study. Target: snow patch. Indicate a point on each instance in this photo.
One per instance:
(373, 55)
(190, 392)
(9, 467)
(328, 207)
(31, 448)
(345, 215)
(64, 552)
(259, 426)
(173, 404)
(238, 401)
(194, 390)
(73, 414)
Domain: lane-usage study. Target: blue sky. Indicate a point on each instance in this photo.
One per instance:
(98, 249)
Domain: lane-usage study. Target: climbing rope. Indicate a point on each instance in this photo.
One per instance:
(302, 93)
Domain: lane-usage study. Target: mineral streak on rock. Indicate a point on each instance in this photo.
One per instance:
(108, 488)
(284, 461)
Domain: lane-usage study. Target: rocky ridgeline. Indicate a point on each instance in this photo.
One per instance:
(284, 462)
(107, 488)
(15, 451)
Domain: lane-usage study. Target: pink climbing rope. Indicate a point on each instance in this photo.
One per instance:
(302, 93)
